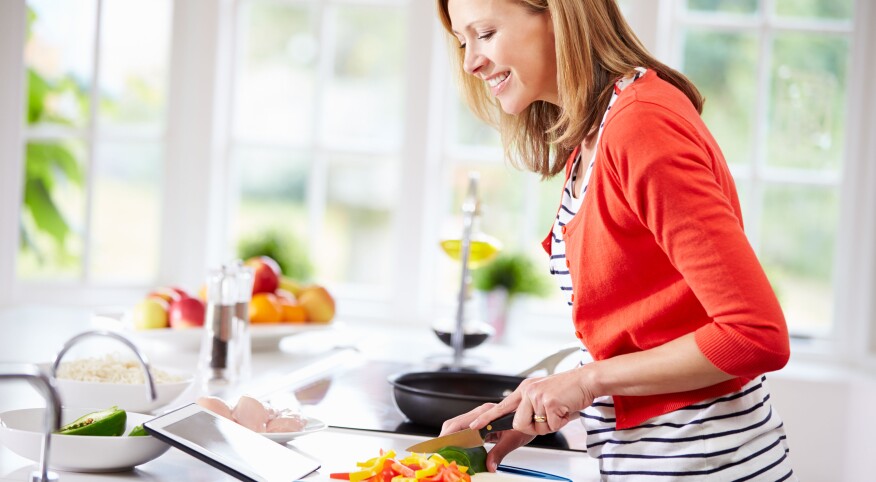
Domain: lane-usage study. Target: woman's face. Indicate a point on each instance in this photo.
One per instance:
(508, 47)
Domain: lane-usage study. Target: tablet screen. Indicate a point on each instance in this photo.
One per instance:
(227, 445)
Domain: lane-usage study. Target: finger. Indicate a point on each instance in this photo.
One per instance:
(462, 421)
(508, 405)
(510, 440)
(523, 419)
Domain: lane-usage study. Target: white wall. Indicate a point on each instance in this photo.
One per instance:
(830, 421)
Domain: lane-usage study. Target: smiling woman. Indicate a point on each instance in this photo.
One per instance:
(666, 292)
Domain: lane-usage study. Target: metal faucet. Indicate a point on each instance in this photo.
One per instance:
(46, 386)
(144, 362)
(469, 211)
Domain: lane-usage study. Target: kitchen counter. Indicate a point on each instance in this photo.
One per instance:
(321, 369)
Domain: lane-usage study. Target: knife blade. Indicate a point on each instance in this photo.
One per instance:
(466, 439)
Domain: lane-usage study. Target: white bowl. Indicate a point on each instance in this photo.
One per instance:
(127, 396)
(21, 431)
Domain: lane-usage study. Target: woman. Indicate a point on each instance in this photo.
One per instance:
(648, 245)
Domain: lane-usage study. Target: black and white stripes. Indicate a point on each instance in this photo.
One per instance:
(731, 438)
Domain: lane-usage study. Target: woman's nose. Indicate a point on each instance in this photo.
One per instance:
(473, 61)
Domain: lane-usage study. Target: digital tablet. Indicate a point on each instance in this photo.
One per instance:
(229, 447)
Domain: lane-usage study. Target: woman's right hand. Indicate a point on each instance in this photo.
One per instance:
(506, 441)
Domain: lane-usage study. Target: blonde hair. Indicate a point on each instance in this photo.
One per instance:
(594, 46)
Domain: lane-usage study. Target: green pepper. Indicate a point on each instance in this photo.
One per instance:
(110, 422)
(474, 458)
(138, 431)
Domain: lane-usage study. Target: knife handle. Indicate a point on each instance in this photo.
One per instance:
(504, 422)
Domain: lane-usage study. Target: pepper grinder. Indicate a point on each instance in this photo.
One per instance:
(243, 279)
(219, 348)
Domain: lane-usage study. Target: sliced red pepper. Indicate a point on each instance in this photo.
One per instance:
(340, 476)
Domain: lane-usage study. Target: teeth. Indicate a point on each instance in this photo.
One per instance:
(497, 79)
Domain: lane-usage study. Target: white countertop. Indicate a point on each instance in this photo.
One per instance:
(34, 335)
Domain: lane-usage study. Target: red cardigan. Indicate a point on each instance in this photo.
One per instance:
(657, 250)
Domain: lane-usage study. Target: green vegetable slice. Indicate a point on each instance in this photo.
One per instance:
(474, 458)
(138, 431)
(108, 423)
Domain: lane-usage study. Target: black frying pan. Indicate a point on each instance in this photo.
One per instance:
(430, 398)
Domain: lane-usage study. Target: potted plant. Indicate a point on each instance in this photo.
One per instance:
(505, 279)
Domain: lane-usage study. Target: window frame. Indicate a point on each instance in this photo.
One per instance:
(199, 122)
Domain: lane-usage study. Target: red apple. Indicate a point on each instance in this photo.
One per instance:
(186, 313)
(266, 274)
(170, 294)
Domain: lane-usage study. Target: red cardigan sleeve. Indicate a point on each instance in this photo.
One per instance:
(677, 184)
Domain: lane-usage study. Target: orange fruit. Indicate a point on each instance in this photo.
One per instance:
(265, 308)
(292, 311)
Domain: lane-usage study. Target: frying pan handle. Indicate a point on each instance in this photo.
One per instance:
(504, 422)
(549, 364)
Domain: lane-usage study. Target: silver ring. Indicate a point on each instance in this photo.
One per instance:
(539, 418)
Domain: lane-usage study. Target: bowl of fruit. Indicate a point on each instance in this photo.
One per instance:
(172, 318)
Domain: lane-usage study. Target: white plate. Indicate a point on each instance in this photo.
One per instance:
(264, 337)
(313, 425)
(21, 432)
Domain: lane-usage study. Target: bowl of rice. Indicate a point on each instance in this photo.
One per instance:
(112, 380)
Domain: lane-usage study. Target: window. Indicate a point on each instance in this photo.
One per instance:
(317, 132)
(95, 113)
(775, 76)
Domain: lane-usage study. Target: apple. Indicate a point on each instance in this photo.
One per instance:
(290, 285)
(318, 303)
(186, 313)
(169, 294)
(151, 313)
(266, 274)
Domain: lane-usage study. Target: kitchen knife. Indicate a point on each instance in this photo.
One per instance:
(466, 439)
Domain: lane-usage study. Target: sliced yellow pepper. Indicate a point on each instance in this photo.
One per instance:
(371, 467)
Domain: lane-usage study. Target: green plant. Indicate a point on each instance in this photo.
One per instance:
(47, 164)
(285, 248)
(515, 273)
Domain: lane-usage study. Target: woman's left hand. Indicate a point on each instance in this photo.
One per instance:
(557, 398)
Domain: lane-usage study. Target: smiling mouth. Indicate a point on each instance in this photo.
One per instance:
(497, 82)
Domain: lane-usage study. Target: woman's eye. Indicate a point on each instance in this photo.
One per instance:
(486, 36)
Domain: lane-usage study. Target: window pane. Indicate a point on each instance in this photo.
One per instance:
(827, 9)
(126, 212)
(133, 71)
(273, 189)
(797, 251)
(723, 67)
(808, 102)
(52, 217)
(275, 88)
(59, 56)
(471, 131)
(732, 6)
(363, 99)
(357, 244)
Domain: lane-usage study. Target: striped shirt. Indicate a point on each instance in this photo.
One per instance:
(734, 437)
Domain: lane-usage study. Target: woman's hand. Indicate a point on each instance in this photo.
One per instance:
(506, 441)
(558, 398)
